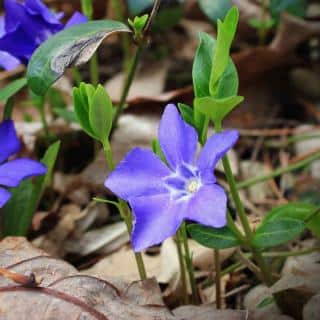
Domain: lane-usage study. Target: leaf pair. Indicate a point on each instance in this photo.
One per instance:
(94, 110)
(215, 77)
(280, 226)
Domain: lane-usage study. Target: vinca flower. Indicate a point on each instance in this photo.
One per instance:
(163, 196)
(25, 26)
(14, 171)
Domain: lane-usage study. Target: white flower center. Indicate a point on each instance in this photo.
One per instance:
(193, 185)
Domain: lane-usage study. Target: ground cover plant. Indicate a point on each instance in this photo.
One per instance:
(179, 153)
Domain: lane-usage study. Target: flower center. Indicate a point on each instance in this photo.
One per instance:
(184, 182)
(193, 185)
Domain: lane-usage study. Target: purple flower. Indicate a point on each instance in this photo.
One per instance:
(24, 27)
(14, 171)
(163, 196)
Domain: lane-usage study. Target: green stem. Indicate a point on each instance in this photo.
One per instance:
(125, 213)
(189, 264)
(43, 118)
(132, 68)
(182, 268)
(217, 278)
(284, 254)
(128, 83)
(94, 70)
(242, 215)
(278, 172)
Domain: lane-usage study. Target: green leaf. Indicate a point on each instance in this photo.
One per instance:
(12, 88)
(138, 23)
(87, 8)
(100, 114)
(156, 148)
(261, 24)
(276, 232)
(201, 72)
(221, 238)
(217, 109)
(168, 18)
(19, 211)
(294, 7)
(187, 113)
(17, 208)
(138, 6)
(226, 32)
(297, 210)
(216, 9)
(70, 47)
(66, 115)
(81, 107)
(41, 182)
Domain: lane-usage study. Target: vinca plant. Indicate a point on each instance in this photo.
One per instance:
(171, 189)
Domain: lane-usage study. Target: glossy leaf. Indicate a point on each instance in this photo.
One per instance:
(277, 232)
(215, 10)
(16, 209)
(294, 7)
(226, 32)
(12, 88)
(187, 113)
(221, 238)
(228, 84)
(101, 114)
(41, 182)
(217, 109)
(70, 47)
(298, 210)
(81, 106)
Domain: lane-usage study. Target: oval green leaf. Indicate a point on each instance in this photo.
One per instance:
(221, 238)
(276, 232)
(297, 210)
(101, 114)
(70, 47)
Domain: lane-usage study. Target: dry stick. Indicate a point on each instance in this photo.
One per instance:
(218, 278)
(278, 172)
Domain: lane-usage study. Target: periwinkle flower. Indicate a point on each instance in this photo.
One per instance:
(14, 171)
(25, 26)
(163, 196)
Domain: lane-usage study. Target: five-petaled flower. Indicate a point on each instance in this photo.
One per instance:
(163, 196)
(25, 26)
(14, 171)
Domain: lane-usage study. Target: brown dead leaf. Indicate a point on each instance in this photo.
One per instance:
(59, 292)
(208, 312)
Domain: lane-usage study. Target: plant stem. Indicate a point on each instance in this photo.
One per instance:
(94, 70)
(125, 213)
(242, 215)
(118, 8)
(278, 172)
(128, 83)
(217, 278)
(284, 254)
(182, 268)
(189, 264)
(134, 62)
